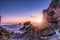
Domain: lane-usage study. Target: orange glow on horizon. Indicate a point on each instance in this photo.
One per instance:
(34, 19)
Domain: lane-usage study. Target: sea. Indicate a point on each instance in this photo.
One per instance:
(15, 28)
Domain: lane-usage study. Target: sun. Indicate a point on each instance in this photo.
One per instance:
(39, 20)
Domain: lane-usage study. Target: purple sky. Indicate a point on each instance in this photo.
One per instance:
(16, 10)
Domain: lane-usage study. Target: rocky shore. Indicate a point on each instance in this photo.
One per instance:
(4, 34)
(50, 31)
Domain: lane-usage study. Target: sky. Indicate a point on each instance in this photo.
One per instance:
(15, 11)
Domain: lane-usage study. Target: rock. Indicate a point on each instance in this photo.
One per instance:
(47, 32)
(51, 17)
(4, 34)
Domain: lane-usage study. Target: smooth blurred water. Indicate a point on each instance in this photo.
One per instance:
(16, 28)
(13, 28)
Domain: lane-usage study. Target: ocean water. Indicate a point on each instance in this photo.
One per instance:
(16, 28)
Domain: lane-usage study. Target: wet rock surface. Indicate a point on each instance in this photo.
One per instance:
(4, 34)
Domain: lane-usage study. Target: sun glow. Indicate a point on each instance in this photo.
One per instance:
(39, 20)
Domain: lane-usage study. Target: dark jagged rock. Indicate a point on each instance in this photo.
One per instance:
(26, 25)
(52, 17)
(4, 34)
(19, 23)
(47, 32)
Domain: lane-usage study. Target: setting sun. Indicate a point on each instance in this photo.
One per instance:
(39, 20)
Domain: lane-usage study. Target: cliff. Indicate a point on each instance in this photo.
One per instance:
(52, 13)
(51, 17)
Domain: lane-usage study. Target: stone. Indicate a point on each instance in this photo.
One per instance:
(4, 34)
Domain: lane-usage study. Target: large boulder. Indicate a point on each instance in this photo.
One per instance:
(4, 34)
(51, 16)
